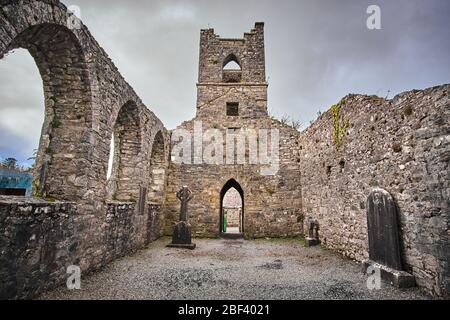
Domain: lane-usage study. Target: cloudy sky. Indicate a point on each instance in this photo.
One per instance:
(316, 53)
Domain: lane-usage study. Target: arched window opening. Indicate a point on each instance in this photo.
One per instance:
(232, 65)
(111, 157)
(124, 180)
(232, 208)
(231, 70)
(21, 117)
(157, 170)
(56, 51)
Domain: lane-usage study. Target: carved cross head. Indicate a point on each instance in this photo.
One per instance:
(185, 194)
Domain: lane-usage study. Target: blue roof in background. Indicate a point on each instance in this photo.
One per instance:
(11, 179)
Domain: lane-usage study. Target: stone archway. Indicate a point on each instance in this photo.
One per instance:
(124, 183)
(231, 69)
(233, 210)
(157, 170)
(62, 161)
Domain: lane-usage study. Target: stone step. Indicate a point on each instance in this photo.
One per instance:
(232, 236)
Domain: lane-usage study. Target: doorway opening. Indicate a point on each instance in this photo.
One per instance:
(232, 209)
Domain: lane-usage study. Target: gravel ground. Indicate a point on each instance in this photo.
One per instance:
(231, 269)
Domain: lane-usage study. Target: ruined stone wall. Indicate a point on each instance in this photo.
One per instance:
(401, 145)
(127, 228)
(39, 240)
(86, 100)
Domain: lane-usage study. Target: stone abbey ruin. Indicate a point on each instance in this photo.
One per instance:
(78, 216)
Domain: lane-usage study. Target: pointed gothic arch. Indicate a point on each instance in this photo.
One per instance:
(230, 59)
(231, 69)
(157, 174)
(123, 183)
(230, 184)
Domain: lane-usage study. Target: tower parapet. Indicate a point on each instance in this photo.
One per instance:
(248, 76)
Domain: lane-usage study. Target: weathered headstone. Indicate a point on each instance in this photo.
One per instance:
(182, 232)
(384, 238)
(313, 233)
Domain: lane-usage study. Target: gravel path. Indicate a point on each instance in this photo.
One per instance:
(231, 269)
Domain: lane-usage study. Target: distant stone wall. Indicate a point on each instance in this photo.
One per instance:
(39, 240)
(233, 216)
(232, 199)
(232, 206)
(401, 145)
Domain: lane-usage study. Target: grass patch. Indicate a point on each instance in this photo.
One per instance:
(396, 147)
(301, 239)
(408, 110)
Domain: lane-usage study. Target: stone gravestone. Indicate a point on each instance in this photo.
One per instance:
(313, 233)
(182, 232)
(384, 239)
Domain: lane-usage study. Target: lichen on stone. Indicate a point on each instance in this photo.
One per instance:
(340, 125)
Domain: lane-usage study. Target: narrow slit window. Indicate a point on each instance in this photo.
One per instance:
(232, 109)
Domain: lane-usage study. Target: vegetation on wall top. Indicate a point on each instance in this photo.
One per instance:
(340, 125)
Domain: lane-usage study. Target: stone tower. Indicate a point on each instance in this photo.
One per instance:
(247, 82)
(231, 104)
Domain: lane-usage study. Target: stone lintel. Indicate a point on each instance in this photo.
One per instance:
(397, 278)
